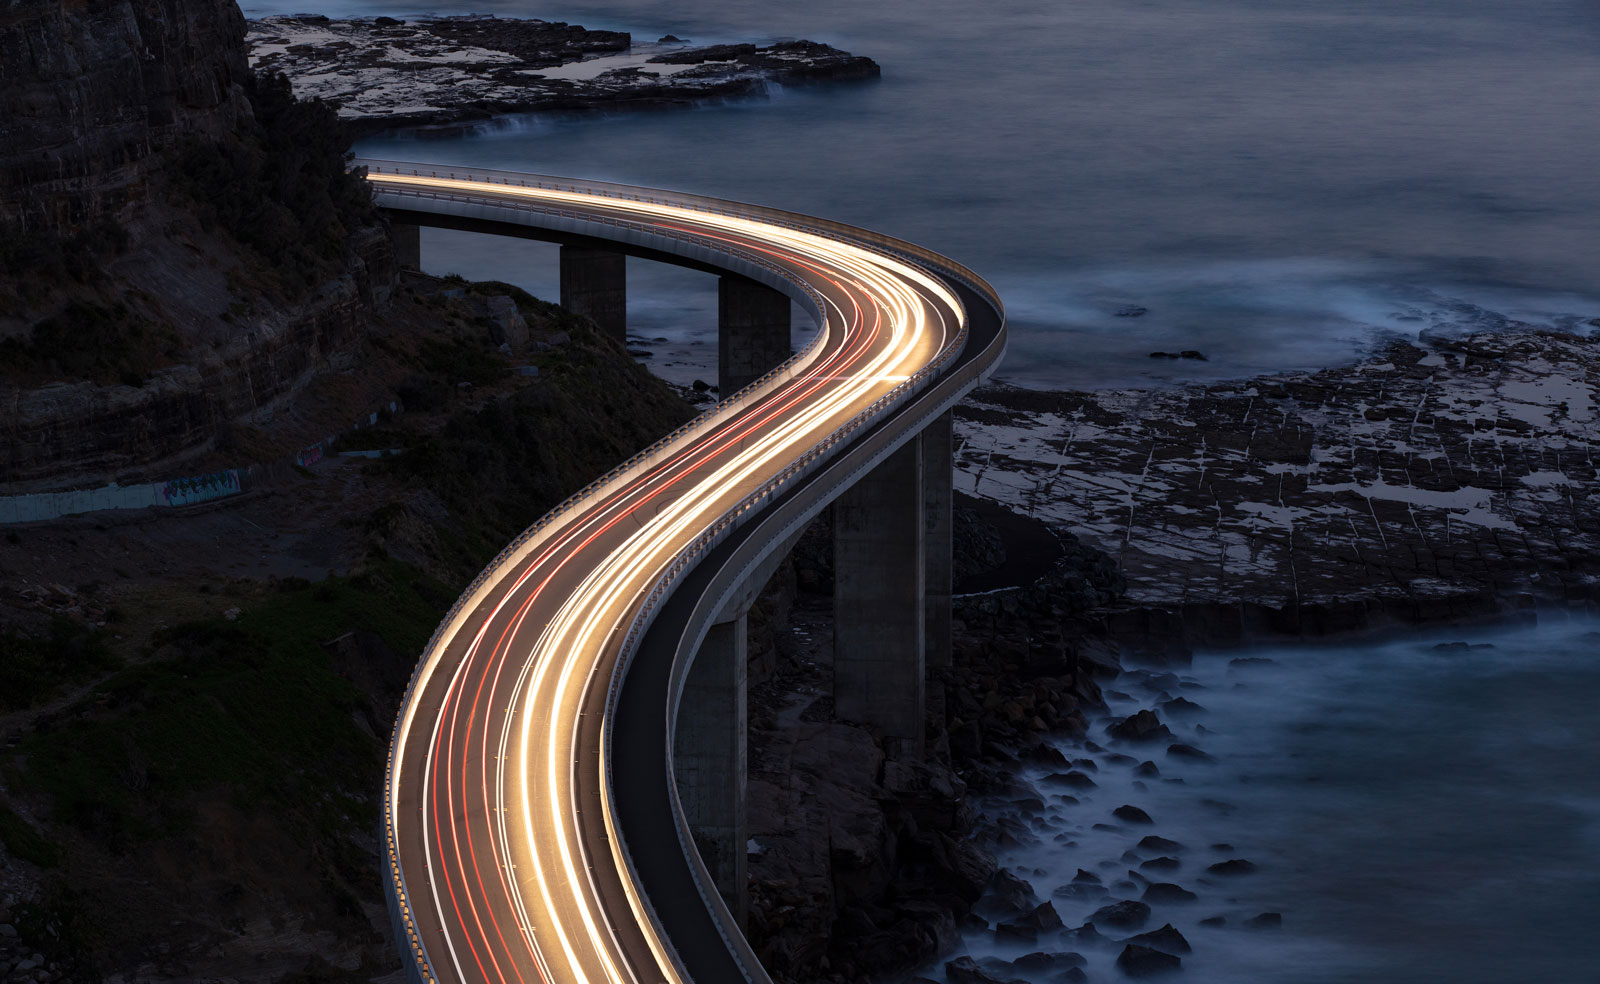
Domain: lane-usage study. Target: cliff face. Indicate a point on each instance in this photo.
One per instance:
(94, 91)
(181, 248)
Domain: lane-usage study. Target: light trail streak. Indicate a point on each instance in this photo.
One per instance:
(512, 701)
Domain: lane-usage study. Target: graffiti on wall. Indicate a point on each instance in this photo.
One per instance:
(201, 488)
(306, 457)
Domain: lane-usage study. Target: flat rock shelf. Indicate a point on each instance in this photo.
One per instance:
(446, 72)
(1440, 480)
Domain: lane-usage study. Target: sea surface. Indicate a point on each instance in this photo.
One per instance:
(1420, 811)
(1279, 183)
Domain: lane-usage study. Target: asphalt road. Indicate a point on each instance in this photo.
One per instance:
(513, 837)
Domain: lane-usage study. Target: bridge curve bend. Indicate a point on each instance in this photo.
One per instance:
(532, 825)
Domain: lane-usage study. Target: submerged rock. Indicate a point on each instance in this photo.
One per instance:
(1266, 920)
(1234, 866)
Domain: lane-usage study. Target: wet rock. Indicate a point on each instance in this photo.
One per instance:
(1126, 914)
(1180, 707)
(965, 970)
(1191, 354)
(1235, 866)
(1183, 751)
(1152, 842)
(1045, 754)
(1135, 311)
(1125, 886)
(1087, 765)
(1162, 893)
(1085, 876)
(1214, 921)
(1266, 920)
(1086, 935)
(1166, 939)
(1117, 758)
(1147, 769)
(1163, 355)
(1010, 893)
(1161, 864)
(1143, 726)
(1142, 961)
(1131, 814)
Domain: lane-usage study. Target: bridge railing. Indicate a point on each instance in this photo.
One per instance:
(420, 969)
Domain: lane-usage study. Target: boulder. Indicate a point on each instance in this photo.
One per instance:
(1143, 726)
(1193, 754)
(1165, 892)
(1233, 866)
(1152, 842)
(1143, 961)
(1166, 939)
(1126, 914)
(1131, 814)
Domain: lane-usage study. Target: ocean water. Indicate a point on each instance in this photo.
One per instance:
(1418, 813)
(1280, 184)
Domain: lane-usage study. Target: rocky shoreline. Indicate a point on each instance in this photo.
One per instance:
(1444, 482)
(1449, 479)
(441, 74)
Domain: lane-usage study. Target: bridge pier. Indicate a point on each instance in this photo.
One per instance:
(752, 332)
(594, 282)
(879, 553)
(407, 240)
(709, 759)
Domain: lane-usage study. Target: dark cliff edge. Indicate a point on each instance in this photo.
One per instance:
(181, 248)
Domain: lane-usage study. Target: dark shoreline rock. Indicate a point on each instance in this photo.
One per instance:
(442, 74)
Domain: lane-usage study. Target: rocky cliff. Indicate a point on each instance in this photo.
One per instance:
(94, 93)
(179, 245)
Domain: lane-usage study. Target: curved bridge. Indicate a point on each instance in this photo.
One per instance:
(534, 829)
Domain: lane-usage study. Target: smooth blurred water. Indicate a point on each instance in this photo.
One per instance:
(1276, 181)
(1416, 814)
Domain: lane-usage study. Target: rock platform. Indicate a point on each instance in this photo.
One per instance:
(1447, 479)
(448, 72)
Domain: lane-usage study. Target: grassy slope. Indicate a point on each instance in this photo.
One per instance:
(223, 785)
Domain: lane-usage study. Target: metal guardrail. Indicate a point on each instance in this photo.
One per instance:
(421, 969)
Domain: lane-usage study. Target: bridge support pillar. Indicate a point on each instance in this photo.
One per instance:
(594, 282)
(709, 760)
(938, 454)
(407, 240)
(879, 545)
(752, 332)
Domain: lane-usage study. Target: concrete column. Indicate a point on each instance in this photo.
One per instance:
(752, 332)
(709, 760)
(595, 282)
(879, 539)
(407, 241)
(937, 465)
